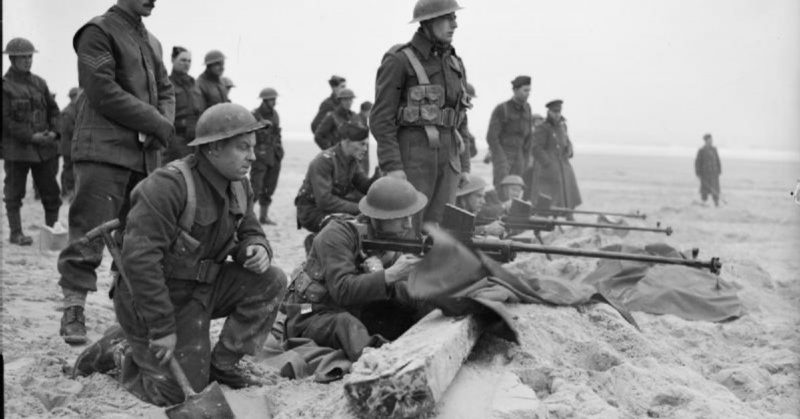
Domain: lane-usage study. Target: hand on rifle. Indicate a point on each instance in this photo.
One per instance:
(401, 268)
(164, 347)
(495, 228)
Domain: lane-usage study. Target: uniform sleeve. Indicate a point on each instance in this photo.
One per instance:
(698, 162)
(67, 125)
(320, 175)
(96, 72)
(250, 232)
(389, 84)
(156, 205)
(361, 181)
(539, 147)
(345, 284)
(323, 133)
(20, 131)
(321, 112)
(52, 111)
(493, 135)
(719, 163)
(166, 91)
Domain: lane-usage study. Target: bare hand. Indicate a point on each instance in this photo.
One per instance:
(257, 259)
(398, 174)
(41, 137)
(372, 264)
(496, 228)
(163, 348)
(401, 268)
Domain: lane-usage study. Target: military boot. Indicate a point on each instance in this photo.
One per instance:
(73, 326)
(103, 355)
(263, 215)
(234, 377)
(15, 227)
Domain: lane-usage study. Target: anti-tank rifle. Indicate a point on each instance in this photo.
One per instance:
(544, 208)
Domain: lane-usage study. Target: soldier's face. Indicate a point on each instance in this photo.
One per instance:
(270, 102)
(234, 157)
(355, 149)
(22, 62)
(513, 191)
(522, 93)
(340, 87)
(708, 140)
(346, 102)
(138, 7)
(396, 227)
(554, 114)
(475, 201)
(183, 62)
(444, 27)
(217, 68)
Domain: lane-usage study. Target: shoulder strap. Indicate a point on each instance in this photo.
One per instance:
(240, 193)
(187, 216)
(422, 77)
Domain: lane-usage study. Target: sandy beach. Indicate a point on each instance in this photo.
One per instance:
(586, 363)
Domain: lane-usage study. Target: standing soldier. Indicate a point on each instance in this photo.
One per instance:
(327, 133)
(363, 115)
(552, 149)
(420, 101)
(707, 167)
(269, 153)
(228, 83)
(188, 104)
(510, 133)
(30, 139)
(67, 125)
(125, 117)
(212, 87)
(179, 274)
(527, 175)
(337, 83)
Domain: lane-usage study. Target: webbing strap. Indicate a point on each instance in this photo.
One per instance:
(187, 216)
(422, 77)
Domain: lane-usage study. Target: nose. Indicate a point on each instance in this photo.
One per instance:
(251, 155)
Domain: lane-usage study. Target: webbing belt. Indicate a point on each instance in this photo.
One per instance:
(422, 77)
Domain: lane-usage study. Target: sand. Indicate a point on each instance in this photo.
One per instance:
(585, 362)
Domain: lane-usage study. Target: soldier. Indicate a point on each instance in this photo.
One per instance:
(327, 133)
(30, 139)
(269, 153)
(175, 259)
(67, 126)
(228, 83)
(188, 104)
(363, 115)
(707, 167)
(334, 182)
(212, 88)
(347, 299)
(510, 133)
(471, 196)
(552, 149)
(512, 187)
(420, 100)
(336, 83)
(527, 176)
(124, 120)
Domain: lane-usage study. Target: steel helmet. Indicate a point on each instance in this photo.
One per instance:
(214, 56)
(390, 198)
(228, 83)
(345, 94)
(268, 93)
(512, 180)
(473, 183)
(19, 46)
(73, 92)
(225, 120)
(430, 9)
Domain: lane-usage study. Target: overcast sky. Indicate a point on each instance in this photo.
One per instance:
(656, 72)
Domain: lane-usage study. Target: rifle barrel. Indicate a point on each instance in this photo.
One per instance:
(516, 223)
(558, 210)
(510, 247)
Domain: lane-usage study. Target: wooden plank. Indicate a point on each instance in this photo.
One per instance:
(406, 378)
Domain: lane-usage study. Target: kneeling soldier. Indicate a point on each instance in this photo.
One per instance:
(347, 299)
(185, 220)
(334, 182)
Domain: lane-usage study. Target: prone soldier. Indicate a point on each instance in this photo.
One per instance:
(30, 139)
(269, 154)
(511, 187)
(471, 196)
(185, 220)
(347, 299)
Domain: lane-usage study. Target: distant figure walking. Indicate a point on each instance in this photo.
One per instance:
(708, 168)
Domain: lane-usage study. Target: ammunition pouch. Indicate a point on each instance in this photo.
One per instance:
(307, 289)
(20, 109)
(429, 115)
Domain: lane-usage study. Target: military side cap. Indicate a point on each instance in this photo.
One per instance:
(225, 120)
(336, 80)
(512, 180)
(472, 184)
(345, 94)
(520, 81)
(389, 198)
(554, 104)
(353, 131)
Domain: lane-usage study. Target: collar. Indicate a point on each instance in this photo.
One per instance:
(426, 46)
(516, 104)
(211, 76)
(182, 78)
(264, 110)
(341, 111)
(338, 150)
(13, 73)
(135, 21)
(212, 175)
